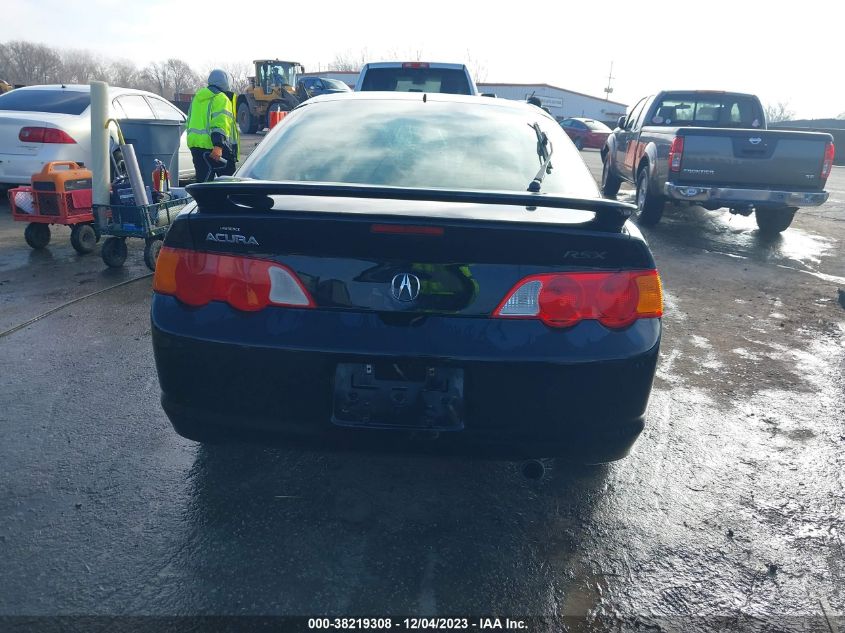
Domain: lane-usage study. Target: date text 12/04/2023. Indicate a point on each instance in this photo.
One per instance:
(415, 624)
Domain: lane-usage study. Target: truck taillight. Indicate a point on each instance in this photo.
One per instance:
(44, 135)
(245, 283)
(676, 153)
(415, 65)
(614, 299)
(827, 163)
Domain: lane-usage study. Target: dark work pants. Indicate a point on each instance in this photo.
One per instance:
(201, 168)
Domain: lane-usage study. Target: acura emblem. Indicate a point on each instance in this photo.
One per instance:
(405, 287)
(755, 140)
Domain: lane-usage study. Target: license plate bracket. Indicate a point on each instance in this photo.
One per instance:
(393, 396)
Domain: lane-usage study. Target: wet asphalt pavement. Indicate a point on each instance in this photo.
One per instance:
(730, 505)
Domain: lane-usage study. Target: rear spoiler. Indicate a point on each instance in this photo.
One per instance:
(235, 195)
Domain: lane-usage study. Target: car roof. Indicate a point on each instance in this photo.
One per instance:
(85, 88)
(440, 97)
(428, 64)
(711, 92)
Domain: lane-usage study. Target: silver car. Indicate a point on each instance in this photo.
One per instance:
(40, 124)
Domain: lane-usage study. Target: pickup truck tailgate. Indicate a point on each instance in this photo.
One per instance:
(750, 158)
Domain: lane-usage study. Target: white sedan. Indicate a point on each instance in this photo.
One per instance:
(40, 124)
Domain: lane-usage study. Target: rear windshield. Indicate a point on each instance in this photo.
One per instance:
(448, 80)
(337, 85)
(708, 110)
(56, 101)
(417, 144)
(597, 126)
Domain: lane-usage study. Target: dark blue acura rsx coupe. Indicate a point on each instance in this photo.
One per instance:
(409, 271)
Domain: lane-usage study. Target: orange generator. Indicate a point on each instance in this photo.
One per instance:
(63, 189)
(60, 194)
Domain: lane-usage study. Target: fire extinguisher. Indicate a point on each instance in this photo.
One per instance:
(161, 177)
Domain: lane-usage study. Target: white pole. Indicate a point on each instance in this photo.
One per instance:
(100, 162)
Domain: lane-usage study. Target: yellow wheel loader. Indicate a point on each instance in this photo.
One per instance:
(272, 88)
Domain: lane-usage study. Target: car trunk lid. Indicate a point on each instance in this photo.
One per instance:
(11, 123)
(752, 158)
(412, 257)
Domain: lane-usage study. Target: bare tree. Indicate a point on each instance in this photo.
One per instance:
(81, 67)
(408, 54)
(182, 77)
(348, 61)
(123, 73)
(157, 76)
(477, 68)
(30, 63)
(779, 112)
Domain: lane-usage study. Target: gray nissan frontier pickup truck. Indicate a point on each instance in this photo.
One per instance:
(713, 149)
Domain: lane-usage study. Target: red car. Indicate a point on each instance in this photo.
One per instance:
(586, 132)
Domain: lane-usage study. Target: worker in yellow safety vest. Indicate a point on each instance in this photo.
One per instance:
(213, 135)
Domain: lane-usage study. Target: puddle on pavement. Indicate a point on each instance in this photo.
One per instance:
(737, 236)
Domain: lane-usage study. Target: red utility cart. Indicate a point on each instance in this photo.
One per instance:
(60, 194)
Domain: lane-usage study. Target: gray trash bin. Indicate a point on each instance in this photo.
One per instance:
(154, 139)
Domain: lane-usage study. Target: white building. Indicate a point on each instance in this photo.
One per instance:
(561, 103)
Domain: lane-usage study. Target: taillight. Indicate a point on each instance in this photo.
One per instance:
(245, 283)
(44, 135)
(614, 299)
(827, 163)
(676, 153)
(415, 65)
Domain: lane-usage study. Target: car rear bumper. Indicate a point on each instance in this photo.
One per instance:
(18, 169)
(732, 196)
(513, 406)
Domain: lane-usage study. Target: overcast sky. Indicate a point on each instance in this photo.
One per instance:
(793, 56)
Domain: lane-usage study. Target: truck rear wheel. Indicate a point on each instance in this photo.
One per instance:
(246, 122)
(610, 182)
(774, 221)
(649, 206)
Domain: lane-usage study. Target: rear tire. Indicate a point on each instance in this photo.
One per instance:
(649, 206)
(151, 250)
(774, 221)
(114, 252)
(83, 238)
(610, 182)
(37, 235)
(246, 122)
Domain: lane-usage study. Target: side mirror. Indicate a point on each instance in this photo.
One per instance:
(621, 122)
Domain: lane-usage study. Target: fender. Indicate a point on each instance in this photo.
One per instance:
(608, 153)
(250, 101)
(649, 159)
(647, 156)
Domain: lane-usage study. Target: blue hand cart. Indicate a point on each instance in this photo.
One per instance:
(148, 222)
